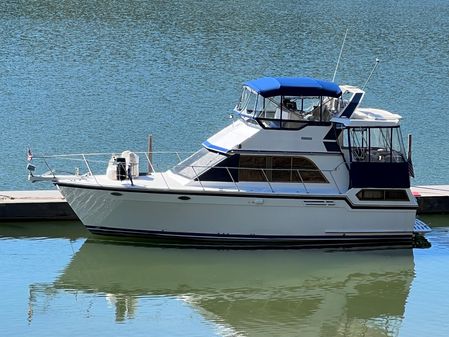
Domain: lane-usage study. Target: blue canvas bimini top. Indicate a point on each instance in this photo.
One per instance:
(294, 86)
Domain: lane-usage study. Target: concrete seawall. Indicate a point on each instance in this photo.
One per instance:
(51, 205)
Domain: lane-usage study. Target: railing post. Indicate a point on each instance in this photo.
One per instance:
(229, 172)
(149, 154)
(49, 168)
(179, 157)
(165, 181)
(335, 182)
(193, 168)
(271, 188)
(302, 181)
(150, 164)
(88, 168)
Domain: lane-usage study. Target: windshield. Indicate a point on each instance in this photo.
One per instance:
(198, 163)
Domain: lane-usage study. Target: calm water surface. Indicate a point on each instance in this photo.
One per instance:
(90, 76)
(57, 280)
(99, 76)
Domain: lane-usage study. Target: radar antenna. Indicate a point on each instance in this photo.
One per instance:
(339, 56)
(371, 73)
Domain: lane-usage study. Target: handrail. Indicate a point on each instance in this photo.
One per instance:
(302, 181)
(87, 164)
(149, 162)
(49, 168)
(198, 170)
(104, 154)
(335, 182)
(232, 178)
(90, 171)
(268, 181)
(165, 181)
(197, 177)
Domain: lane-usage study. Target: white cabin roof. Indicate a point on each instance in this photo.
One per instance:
(369, 117)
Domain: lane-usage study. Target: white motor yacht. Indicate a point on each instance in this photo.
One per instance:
(301, 164)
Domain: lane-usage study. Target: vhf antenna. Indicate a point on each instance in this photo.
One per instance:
(371, 73)
(339, 56)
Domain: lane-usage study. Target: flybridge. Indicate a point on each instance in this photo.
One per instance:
(294, 102)
(293, 86)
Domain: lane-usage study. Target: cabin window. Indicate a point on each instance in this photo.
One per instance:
(279, 169)
(252, 168)
(386, 195)
(374, 144)
(306, 170)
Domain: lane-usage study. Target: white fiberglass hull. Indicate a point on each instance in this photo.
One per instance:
(237, 218)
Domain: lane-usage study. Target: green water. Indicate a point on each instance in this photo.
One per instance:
(57, 280)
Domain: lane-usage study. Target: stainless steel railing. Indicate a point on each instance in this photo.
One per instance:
(297, 176)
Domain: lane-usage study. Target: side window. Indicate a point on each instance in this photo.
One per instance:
(279, 169)
(388, 195)
(305, 170)
(282, 169)
(250, 168)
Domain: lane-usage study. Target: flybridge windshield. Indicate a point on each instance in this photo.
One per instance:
(288, 112)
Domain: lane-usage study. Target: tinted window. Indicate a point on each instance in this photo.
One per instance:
(279, 169)
(388, 195)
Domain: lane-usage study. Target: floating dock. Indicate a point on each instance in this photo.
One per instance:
(45, 205)
(34, 206)
(432, 199)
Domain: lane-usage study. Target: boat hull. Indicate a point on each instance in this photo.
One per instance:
(239, 219)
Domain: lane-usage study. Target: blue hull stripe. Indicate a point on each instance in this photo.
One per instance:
(213, 147)
(257, 240)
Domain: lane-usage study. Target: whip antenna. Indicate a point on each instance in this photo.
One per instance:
(339, 56)
(371, 73)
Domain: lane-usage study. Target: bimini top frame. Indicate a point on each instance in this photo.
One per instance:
(289, 103)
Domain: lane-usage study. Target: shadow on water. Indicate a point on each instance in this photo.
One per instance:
(259, 292)
(436, 220)
(71, 230)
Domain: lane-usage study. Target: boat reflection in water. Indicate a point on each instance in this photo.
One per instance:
(253, 293)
